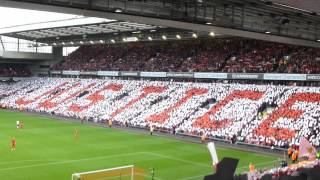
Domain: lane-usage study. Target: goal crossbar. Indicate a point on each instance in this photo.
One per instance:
(130, 171)
(103, 170)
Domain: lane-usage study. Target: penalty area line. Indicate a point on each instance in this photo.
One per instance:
(22, 161)
(177, 159)
(71, 161)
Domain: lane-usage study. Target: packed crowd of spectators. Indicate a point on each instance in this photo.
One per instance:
(166, 56)
(215, 109)
(198, 55)
(13, 70)
(304, 60)
(302, 170)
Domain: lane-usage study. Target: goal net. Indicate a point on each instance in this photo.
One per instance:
(118, 173)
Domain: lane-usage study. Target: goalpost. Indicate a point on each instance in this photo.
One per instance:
(124, 173)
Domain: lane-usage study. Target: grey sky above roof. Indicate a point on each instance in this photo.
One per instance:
(72, 30)
(24, 20)
(23, 16)
(309, 5)
(34, 25)
(74, 21)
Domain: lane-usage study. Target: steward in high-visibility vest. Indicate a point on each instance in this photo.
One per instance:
(318, 155)
(251, 167)
(294, 157)
(290, 152)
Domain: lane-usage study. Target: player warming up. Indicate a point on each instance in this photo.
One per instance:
(110, 123)
(13, 144)
(203, 138)
(21, 124)
(76, 133)
(151, 130)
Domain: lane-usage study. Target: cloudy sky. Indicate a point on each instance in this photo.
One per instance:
(12, 19)
(12, 16)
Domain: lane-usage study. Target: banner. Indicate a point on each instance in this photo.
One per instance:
(71, 73)
(313, 77)
(180, 74)
(130, 73)
(286, 77)
(88, 73)
(199, 75)
(43, 73)
(153, 74)
(206, 75)
(108, 73)
(245, 76)
(55, 72)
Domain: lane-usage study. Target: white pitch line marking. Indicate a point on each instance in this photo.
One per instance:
(177, 159)
(21, 161)
(103, 157)
(70, 161)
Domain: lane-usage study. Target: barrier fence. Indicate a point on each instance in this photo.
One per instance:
(192, 75)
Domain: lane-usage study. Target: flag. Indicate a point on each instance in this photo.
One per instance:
(306, 149)
(213, 152)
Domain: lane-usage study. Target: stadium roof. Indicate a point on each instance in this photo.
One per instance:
(72, 21)
(50, 31)
(258, 19)
(308, 5)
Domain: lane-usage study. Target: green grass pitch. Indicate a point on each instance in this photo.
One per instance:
(47, 150)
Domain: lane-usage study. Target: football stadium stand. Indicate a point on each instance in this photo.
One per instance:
(14, 70)
(255, 114)
(240, 72)
(213, 55)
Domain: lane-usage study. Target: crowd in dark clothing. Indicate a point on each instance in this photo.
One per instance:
(13, 70)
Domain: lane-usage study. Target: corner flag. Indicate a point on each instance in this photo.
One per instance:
(306, 149)
(213, 152)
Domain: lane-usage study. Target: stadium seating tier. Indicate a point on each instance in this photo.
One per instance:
(256, 114)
